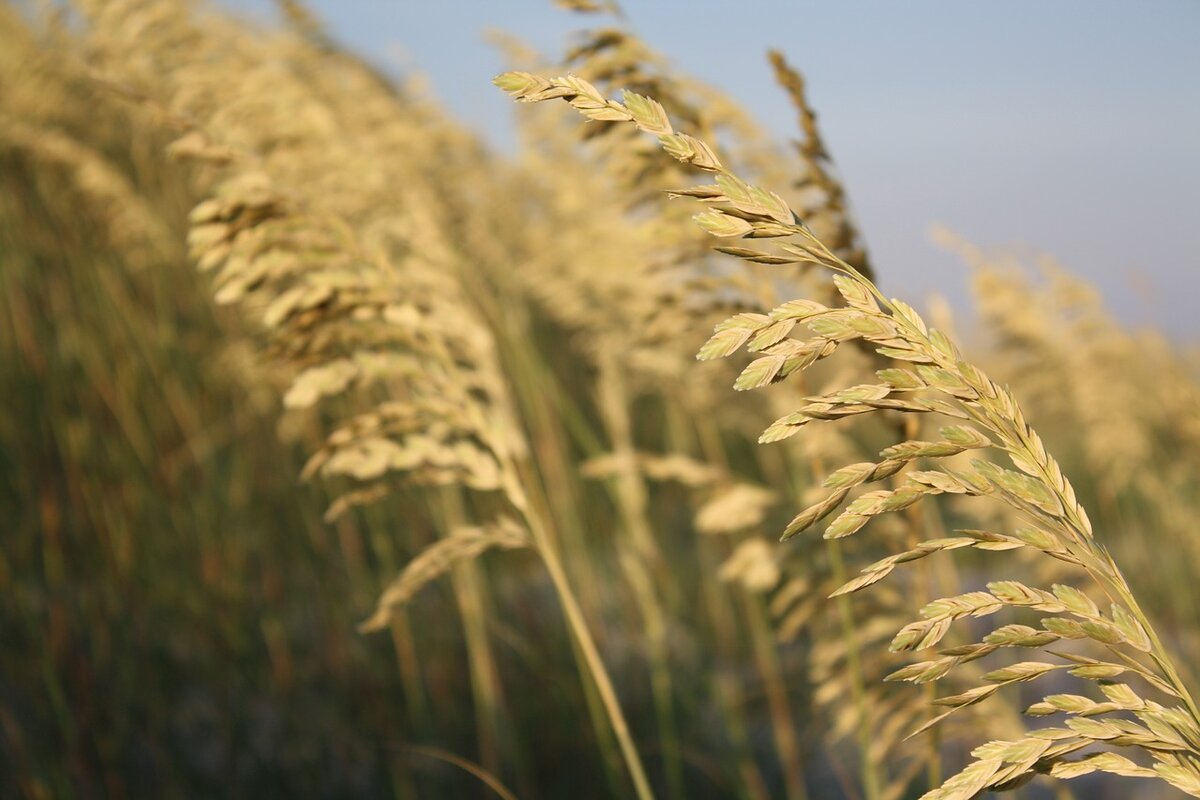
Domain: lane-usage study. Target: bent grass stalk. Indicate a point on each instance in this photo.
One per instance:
(591, 654)
(115, 365)
(939, 382)
(458, 369)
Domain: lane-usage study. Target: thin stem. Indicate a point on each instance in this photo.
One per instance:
(639, 552)
(486, 689)
(597, 713)
(577, 624)
(1158, 651)
(599, 673)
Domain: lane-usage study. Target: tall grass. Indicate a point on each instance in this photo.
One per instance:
(940, 382)
(289, 354)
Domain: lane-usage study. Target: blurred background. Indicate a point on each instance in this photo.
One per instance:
(1065, 128)
(209, 478)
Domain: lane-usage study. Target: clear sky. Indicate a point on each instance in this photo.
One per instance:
(1065, 126)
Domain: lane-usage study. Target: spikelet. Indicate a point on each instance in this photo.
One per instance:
(438, 558)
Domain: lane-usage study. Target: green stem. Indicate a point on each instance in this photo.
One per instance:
(577, 624)
(599, 674)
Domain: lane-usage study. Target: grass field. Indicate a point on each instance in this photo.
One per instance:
(343, 457)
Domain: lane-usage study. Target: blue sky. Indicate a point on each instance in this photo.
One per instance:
(1065, 126)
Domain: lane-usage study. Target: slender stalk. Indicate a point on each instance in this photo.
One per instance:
(486, 689)
(546, 493)
(1158, 650)
(408, 662)
(640, 554)
(726, 687)
(577, 624)
(536, 506)
(543, 408)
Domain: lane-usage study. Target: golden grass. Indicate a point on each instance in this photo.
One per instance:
(484, 371)
(938, 382)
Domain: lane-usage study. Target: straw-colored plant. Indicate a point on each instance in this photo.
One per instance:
(1130, 398)
(355, 320)
(1128, 651)
(181, 615)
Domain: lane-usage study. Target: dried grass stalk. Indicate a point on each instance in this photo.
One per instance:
(940, 381)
